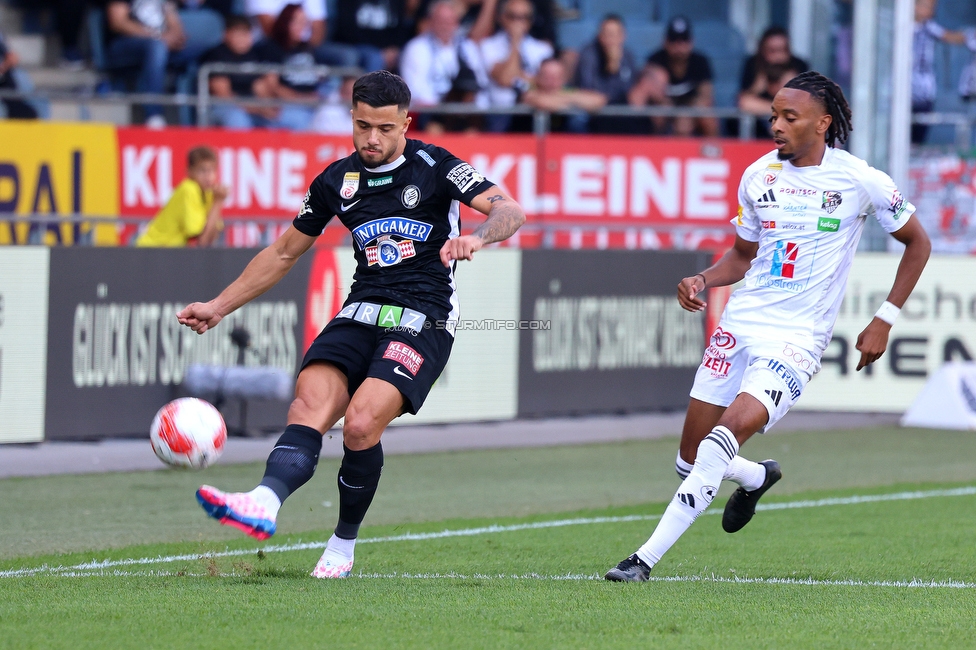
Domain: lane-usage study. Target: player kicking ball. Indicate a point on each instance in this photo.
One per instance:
(380, 355)
(802, 210)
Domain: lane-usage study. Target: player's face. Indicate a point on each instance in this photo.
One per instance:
(798, 123)
(379, 134)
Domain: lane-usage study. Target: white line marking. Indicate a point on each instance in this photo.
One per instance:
(101, 565)
(570, 577)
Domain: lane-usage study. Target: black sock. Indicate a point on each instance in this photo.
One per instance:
(293, 459)
(359, 475)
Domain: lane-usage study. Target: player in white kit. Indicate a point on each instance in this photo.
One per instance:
(802, 208)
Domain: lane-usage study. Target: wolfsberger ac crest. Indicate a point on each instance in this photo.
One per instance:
(831, 201)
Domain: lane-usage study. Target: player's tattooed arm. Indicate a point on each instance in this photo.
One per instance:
(505, 216)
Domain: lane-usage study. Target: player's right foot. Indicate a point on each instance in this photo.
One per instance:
(237, 509)
(633, 569)
(742, 505)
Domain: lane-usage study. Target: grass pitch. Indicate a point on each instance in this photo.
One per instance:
(485, 549)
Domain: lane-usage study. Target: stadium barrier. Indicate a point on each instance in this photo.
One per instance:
(90, 347)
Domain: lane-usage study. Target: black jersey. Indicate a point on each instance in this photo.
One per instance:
(400, 214)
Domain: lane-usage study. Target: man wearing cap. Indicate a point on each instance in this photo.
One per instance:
(676, 75)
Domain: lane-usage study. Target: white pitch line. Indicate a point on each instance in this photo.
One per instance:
(571, 577)
(98, 565)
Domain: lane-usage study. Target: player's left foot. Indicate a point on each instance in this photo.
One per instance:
(633, 569)
(332, 565)
(742, 505)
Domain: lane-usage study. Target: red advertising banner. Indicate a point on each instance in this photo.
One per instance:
(579, 191)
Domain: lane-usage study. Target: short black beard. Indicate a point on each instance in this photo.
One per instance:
(785, 156)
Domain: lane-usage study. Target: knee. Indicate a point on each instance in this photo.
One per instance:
(361, 430)
(302, 411)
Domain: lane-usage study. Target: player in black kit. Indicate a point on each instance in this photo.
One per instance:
(380, 355)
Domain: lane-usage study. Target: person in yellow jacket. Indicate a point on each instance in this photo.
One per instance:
(192, 214)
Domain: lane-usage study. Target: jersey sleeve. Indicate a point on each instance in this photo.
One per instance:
(890, 208)
(459, 180)
(746, 221)
(316, 210)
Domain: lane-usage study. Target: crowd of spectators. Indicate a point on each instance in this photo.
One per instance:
(493, 54)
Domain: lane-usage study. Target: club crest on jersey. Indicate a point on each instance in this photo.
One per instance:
(350, 185)
(406, 228)
(831, 201)
(410, 197)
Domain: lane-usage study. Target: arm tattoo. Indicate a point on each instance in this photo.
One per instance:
(504, 218)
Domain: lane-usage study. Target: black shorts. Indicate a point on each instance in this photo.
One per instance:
(410, 355)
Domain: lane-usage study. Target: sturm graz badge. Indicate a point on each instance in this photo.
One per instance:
(410, 197)
(831, 201)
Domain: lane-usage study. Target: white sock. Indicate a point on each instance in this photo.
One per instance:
(266, 497)
(693, 496)
(746, 473)
(343, 547)
(682, 467)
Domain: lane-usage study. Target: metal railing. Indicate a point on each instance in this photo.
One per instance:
(267, 227)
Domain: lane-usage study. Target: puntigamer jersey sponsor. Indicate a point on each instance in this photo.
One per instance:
(807, 221)
(399, 214)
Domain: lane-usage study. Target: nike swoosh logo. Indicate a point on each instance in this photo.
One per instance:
(345, 207)
(351, 487)
(400, 372)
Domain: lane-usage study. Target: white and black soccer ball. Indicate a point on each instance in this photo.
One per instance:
(188, 433)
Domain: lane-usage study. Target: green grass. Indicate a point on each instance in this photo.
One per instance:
(478, 590)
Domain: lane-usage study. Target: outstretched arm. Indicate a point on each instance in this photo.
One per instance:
(873, 341)
(505, 216)
(261, 273)
(729, 269)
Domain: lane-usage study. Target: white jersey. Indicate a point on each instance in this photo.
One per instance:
(807, 221)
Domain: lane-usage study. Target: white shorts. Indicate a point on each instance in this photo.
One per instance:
(774, 372)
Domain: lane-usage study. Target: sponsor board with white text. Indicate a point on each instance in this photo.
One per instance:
(937, 324)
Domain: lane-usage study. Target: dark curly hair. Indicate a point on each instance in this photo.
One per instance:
(831, 97)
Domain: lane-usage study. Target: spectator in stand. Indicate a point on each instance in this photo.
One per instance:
(192, 214)
(608, 67)
(478, 18)
(15, 108)
(299, 80)
(507, 62)
(924, 84)
(264, 13)
(148, 35)
(435, 70)
(238, 47)
(676, 75)
(764, 73)
(377, 29)
(333, 115)
(67, 16)
(571, 106)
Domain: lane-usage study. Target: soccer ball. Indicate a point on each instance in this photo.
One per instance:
(189, 433)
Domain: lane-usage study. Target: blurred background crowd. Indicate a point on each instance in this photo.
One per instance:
(570, 58)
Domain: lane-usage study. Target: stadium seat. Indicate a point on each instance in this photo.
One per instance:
(645, 39)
